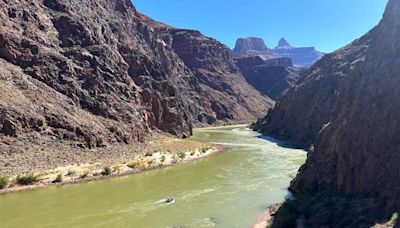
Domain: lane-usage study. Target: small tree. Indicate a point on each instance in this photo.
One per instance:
(4, 182)
(163, 158)
(182, 155)
(106, 171)
(59, 178)
(84, 175)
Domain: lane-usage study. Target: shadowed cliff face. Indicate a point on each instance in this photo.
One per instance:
(95, 73)
(359, 147)
(271, 77)
(347, 106)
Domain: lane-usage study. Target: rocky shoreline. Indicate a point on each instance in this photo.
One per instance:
(150, 159)
(265, 219)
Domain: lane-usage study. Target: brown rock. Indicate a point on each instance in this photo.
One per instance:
(96, 73)
(347, 106)
(271, 77)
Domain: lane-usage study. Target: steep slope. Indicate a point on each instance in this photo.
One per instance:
(347, 106)
(271, 77)
(94, 73)
(312, 102)
(225, 94)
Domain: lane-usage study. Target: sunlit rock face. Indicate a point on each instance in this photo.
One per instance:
(97, 73)
(302, 57)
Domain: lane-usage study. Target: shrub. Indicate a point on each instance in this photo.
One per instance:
(204, 150)
(106, 171)
(174, 158)
(84, 175)
(27, 179)
(394, 219)
(42, 174)
(163, 158)
(71, 172)
(182, 155)
(117, 168)
(4, 182)
(134, 164)
(192, 153)
(96, 174)
(149, 153)
(150, 162)
(59, 178)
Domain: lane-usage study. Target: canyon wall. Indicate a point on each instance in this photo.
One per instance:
(345, 110)
(98, 73)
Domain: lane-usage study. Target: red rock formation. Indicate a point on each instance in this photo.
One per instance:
(96, 73)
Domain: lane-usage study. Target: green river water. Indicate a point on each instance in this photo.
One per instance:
(229, 189)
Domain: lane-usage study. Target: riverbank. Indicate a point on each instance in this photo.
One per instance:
(267, 216)
(157, 153)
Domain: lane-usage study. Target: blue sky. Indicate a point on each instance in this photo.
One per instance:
(326, 24)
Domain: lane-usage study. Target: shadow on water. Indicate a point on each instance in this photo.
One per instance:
(280, 142)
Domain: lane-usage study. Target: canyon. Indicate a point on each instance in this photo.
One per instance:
(98, 84)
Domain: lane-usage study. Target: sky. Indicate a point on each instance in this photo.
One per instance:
(325, 24)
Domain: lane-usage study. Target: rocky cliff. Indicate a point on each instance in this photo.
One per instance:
(97, 73)
(249, 44)
(301, 56)
(347, 106)
(224, 93)
(271, 77)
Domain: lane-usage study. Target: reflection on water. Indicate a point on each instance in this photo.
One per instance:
(226, 190)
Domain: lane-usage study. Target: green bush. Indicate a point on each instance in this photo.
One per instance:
(84, 175)
(59, 178)
(182, 155)
(71, 172)
(27, 179)
(204, 150)
(174, 158)
(106, 171)
(134, 164)
(4, 182)
(163, 158)
(192, 153)
(117, 168)
(149, 153)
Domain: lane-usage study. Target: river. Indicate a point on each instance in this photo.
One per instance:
(229, 189)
